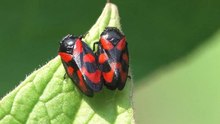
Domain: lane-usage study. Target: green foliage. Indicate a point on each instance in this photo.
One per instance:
(45, 97)
(186, 92)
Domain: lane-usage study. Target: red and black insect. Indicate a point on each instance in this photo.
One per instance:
(80, 64)
(113, 58)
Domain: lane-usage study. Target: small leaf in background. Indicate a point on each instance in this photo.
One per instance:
(45, 97)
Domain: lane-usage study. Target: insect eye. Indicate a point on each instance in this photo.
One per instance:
(69, 43)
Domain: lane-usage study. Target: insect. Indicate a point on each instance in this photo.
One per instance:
(113, 58)
(80, 64)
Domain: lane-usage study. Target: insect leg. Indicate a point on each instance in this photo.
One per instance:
(94, 45)
(129, 77)
(65, 76)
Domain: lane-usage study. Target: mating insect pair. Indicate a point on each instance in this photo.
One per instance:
(89, 70)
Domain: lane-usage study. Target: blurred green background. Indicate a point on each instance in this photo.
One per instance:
(174, 50)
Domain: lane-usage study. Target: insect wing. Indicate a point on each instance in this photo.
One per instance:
(87, 63)
(124, 60)
(108, 73)
(74, 73)
(113, 58)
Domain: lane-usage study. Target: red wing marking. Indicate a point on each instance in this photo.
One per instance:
(123, 76)
(95, 77)
(102, 58)
(108, 76)
(116, 65)
(65, 57)
(81, 81)
(89, 58)
(125, 57)
(70, 70)
(106, 44)
(78, 47)
(121, 44)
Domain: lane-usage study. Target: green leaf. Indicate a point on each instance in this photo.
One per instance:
(45, 97)
(185, 92)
